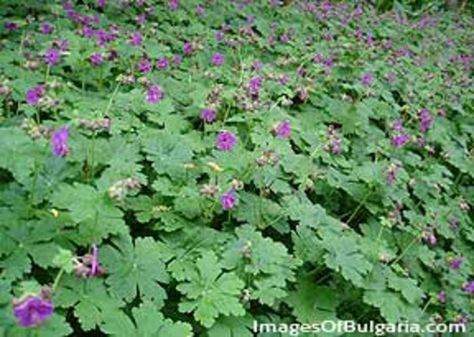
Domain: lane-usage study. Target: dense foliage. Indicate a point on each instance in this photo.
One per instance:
(178, 169)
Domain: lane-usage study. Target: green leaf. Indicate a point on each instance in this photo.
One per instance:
(63, 260)
(211, 292)
(135, 269)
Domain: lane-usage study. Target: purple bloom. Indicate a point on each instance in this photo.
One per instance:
(219, 35)
(11, 26)
(367, 79)
(284, 38)
(88, 31)
(400, 140)
(228, 199)
(425, 120)
(52, 56)
(225, 140)
(187, 48)
(173, 4)
(469, 288)
(257, 65)
(208, 115)
(217, 59)
(200, 10)
(336, 146)
(144, 66)
(254, 85)
(136, 39)
(34, 94)
(282, 129)
(441, 297)
(59, 141)
(96, 59)
(46, 28)
(88, 265)
(391, 77)
(32, 310)
(163, 63)
(154, 94)
(101, 3)
(453, 223)
(391, 174)
(455, 263)
(177, 59)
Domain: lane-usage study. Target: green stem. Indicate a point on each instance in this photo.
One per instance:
(46, 76)
(57, 279)
(405, 250)
(358, 208)
(109, 105)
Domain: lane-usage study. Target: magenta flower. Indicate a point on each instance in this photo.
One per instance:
(52, 56)
(225, 140)
(400, 138)
(187, 48)
(173, 4)
(219, 35)
(154, 94)
(455, 263)
(282, 129)
(255, 85)
(208, 115)
(89, 265)
(32, 310)
(46, 28)
(136, 39)
(425, 120)
(200, 10)
(34, 94)
(96, 59)
(367, 79)
(284, 38)
(144, 66)
(391, 174)
(441, 297)
(59, 141)
(217, 59)
(228, 199)
(177, 59)
(163, 63)
(469, 288)
(101, 3)
(11, 26)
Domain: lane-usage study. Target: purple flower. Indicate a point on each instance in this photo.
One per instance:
(254, 85)
(391, 174)
(336, 146)
(441, 297)
(32, 310)
(455, 263)
(208, 115)
(217, 59)
(425, 120)
(154, 94)
(88, 265)
(187, 48)
(284, 38)
(469, 288)
(34, 94)
(200, 10)
(101, 3)
(52, 56)
(453, 223)
(46, 28)
(225, 140)
(96, 59)
(257, 65)
(400, 140)
(88, 31)
(59, 141)
(390, 76)
(219, 35)
(11, 26)
(282, 129)
(163, 63)
(367, 79)
(228, 199)
(173, 4)
(136, 39)
(177, 59)
(144, 66)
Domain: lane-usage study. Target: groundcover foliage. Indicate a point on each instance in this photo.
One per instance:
(178, 169)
